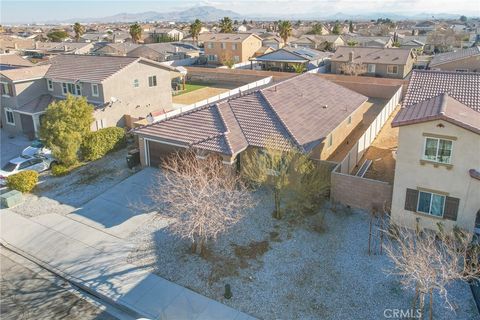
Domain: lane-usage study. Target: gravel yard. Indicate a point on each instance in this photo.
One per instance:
(63, 195)
(289, 269)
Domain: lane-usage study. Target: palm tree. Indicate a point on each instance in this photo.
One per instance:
(285, 30)
(195, 29)
(226, 25)
(79, 31)
(135, 32)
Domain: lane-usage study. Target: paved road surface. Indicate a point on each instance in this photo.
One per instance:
(26, 294)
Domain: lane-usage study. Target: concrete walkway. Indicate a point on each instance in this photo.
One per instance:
(96, 261)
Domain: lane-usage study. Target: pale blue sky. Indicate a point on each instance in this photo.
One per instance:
(37, 10)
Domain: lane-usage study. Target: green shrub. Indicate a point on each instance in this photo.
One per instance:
(23, 181)
(98, 143)
(59, 170)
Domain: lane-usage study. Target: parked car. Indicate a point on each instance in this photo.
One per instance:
(22, 163)
(36, 148)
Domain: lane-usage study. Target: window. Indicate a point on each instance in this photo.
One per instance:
(438, 150)
(223, 45)
(236, 59)
(330, 140)
(49, 85)
(234, 46)
(9, 117)
(152, 81)
(371, 68)
(461, 70)
(136, 83)
(72, 88)
(6, 89)
(212, 57)
(392, 69)
(95, 92)
(210, 45)
(431, 203)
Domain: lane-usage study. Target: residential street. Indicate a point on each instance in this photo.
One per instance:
(27, 294)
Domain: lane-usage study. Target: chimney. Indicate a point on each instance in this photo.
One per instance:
(176, 49)
(65, 48)
(350, 56)
(36, 44)
(15, 46)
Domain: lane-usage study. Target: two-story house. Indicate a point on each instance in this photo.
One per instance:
(437, 173)
(115, 86)
(238, 47)
(376, 62)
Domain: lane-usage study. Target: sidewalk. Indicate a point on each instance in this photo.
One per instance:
(96, 262)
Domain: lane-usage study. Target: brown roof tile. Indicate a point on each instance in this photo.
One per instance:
(397, 56)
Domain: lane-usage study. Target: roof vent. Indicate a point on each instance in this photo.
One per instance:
(325, 106)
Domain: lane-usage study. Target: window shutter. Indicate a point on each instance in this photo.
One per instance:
(451, 208)
(411, 200)
(10, 90)
(2, 90)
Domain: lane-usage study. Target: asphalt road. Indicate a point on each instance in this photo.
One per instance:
(27, 294)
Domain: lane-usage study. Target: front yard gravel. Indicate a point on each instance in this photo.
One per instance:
(304, 273)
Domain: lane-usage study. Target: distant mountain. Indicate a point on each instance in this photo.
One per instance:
(204, 13)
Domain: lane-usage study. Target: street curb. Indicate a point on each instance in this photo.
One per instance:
(121, 306)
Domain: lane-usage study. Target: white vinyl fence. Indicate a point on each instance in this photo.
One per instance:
(181, 62)
(225, 95)
(243, 65)
(357, 151)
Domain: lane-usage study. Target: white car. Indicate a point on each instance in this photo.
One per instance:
(23, 163)
(36, 148)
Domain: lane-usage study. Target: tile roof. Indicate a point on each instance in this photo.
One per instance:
(300, 111)
(441, 107)
(462, 86)
(449, 96)
(396, 56)
(225, 37)
(39, 104)
(86, 68)
(14, 60)
(454, 55)
(34, 72)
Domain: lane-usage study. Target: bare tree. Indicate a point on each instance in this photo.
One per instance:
(204, 197)
(428, 261)
(353, 68)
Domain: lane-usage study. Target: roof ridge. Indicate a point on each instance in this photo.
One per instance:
(280, 119)
(222, 119)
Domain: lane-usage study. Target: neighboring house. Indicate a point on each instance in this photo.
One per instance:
(424, 27)
(413, 42)
(116, 86)
(437, 173)
(288, 58)
(13, 61)
(167, 33)
(462, 60)
(224, 46)
(272, 41)
(242, 28)
(318, 42)
(93, 37)
(114, 49)
(307, 111)
(166, 51)
(371, 41)
(42, 49)
(377, 62)
(11, 44)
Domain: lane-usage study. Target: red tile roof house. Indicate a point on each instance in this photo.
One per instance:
(437, 172)
(116, 86)
(313, 114)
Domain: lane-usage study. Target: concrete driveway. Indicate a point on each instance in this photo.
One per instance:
(11, 147)
(124, 207)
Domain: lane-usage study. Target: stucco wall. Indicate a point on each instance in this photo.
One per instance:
(359, 192)
(380, 69)
(137, 102)
(455, 181)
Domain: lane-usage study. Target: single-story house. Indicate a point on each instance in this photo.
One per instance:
(308, 112)
(376, 62)
(288, 58)
(462, 60)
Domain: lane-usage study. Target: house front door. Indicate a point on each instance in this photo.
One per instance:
(27, 125)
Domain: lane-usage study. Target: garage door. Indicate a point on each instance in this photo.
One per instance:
(159, 151)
